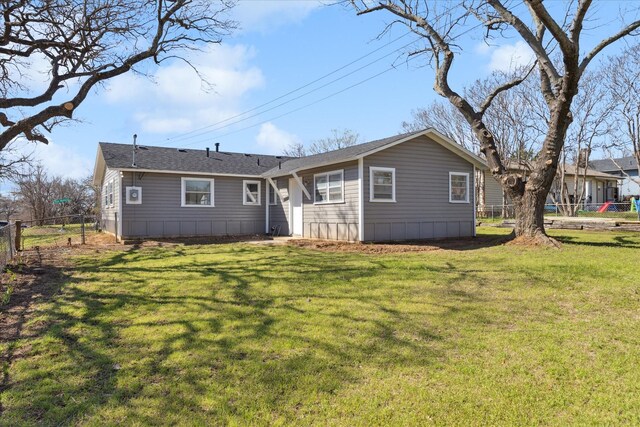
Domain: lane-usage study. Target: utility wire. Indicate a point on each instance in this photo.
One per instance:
(180, 137)
(301, 107)
(214, 128)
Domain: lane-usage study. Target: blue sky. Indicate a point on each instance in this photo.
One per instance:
(282, 46)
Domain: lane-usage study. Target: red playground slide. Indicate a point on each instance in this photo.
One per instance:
(604, 207)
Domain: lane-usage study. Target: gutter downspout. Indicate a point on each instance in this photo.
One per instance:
(361, 199)
(475, 201)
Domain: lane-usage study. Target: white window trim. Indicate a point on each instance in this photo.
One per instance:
(274, 201)
(111, 199)
(465, 174)
(134, 202)
(373, 169)
(341, 172)
(244, 192)
(183, 188)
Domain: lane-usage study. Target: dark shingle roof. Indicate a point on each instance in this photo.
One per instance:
(119, 156)
(609, 165)
(334, 156)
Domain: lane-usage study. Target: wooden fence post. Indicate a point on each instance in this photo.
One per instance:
(18, 235)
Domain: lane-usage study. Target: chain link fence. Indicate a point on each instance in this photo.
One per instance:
(622, 211)
(57, 231)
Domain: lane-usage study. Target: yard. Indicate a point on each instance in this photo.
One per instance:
(466, 334)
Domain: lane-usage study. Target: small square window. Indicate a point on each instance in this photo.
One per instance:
(251, 192)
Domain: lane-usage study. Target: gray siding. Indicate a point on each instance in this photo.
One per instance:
(279, 213)
(422, 209)
(160, 214)
(109, 212)
(335, 221)
(493, 191)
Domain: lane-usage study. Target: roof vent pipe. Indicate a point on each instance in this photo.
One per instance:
(279, 165)
(207, 151)
(217, 147)
(258, 161)
(135, 148)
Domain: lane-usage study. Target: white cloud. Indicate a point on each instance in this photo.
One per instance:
(272, 140)
(262, 16)
(57, 159)
(175, 99)
(509, 57)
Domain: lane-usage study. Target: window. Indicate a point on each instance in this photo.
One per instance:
(105, 196)
(273, 195)
(197, 192)
(458, 187)
(382, 183)
(110, 193)
(134, 195)
(251, 192)
(329, 187)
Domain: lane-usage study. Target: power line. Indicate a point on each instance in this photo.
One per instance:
(180, 137)
(214, 128)
(301, 107)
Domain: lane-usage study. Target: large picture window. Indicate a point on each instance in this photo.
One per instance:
(329, 187)
(382, 184)
(197, 192)
(458, 187)
(251, 192)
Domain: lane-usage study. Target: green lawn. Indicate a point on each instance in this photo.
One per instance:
(53, 235)
(243, 334)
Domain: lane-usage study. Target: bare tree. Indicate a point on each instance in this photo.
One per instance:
(591, 114)
(623, 87)
(9, 207)
(337, 140)
(442, 25)
(35, 190)
(295, 149)
(85, 43)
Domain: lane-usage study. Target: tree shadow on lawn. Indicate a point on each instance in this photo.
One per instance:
(632, 241)
(241, 342)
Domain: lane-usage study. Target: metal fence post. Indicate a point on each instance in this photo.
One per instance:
(82, 228)
(492, 212)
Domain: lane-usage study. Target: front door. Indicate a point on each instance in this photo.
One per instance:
(295, 200)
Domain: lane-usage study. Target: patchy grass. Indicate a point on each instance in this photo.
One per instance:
(54, 235)
(249, 334)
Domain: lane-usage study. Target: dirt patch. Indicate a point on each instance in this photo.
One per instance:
(462, 244)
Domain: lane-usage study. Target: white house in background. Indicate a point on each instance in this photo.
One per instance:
(625, 167)
(600, 187)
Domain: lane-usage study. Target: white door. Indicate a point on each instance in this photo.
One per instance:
(295, 201)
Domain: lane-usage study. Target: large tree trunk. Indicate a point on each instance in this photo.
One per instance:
(529, 224)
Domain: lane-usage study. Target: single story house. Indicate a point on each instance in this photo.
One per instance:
(418, 185)
(600, 187)
(624, 167)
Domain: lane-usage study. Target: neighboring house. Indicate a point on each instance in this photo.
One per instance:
(600, 187)
(412, 186)
(625, 167)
